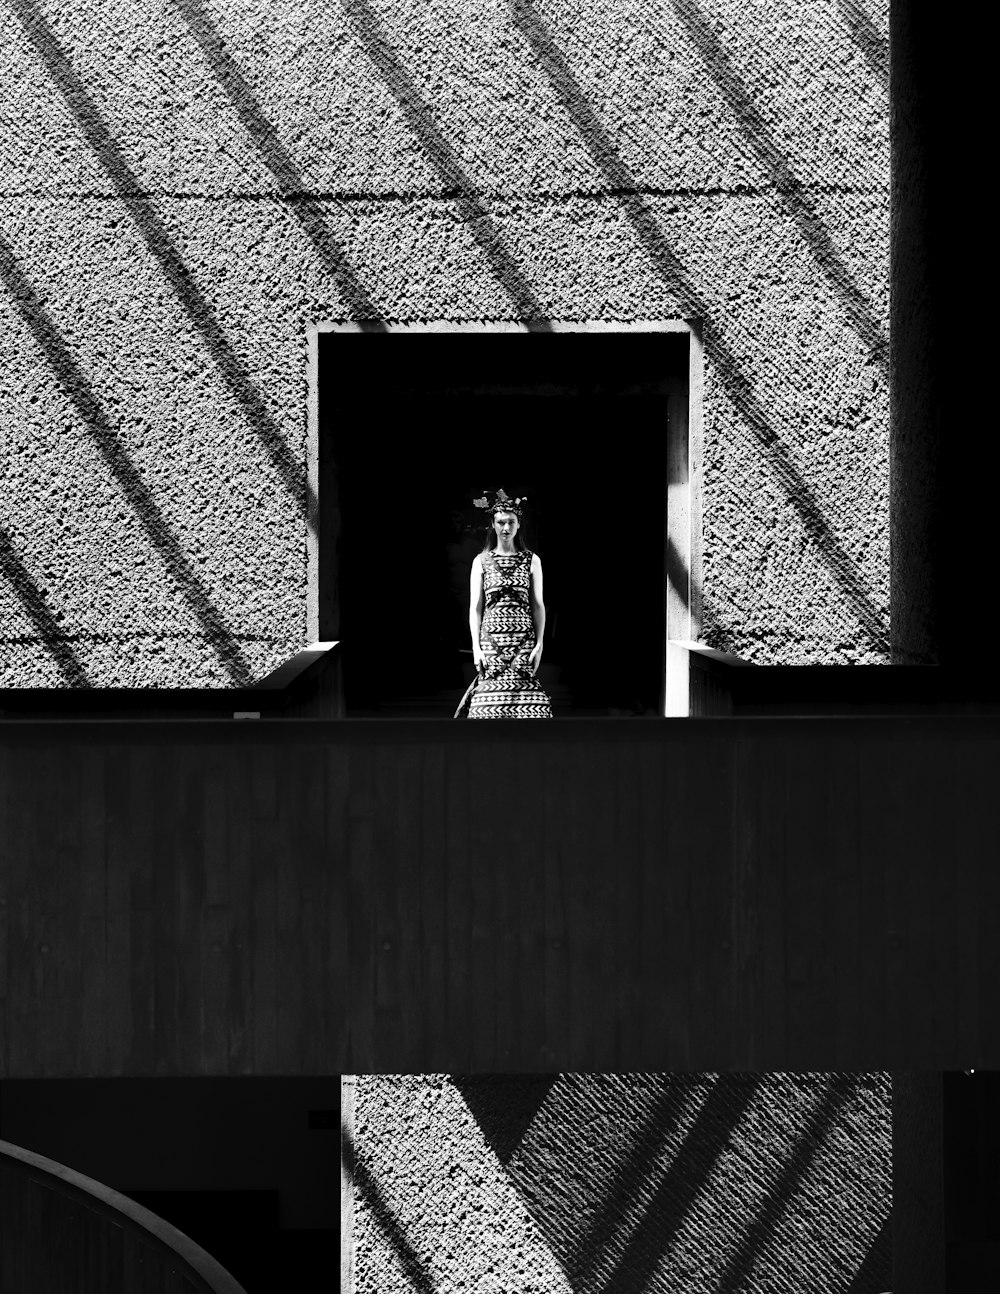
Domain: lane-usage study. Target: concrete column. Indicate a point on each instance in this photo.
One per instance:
(347, 1091)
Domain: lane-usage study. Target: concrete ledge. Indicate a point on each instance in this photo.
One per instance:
(272, 695)
(710, 653)
(296, 668)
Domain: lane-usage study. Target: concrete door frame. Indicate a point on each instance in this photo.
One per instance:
(683, 539)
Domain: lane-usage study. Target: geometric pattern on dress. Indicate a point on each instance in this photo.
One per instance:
(507, 689)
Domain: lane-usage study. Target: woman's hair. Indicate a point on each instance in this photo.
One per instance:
(490, 538)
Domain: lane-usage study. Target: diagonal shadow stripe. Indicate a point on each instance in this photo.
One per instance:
(504, 1106)
(873, 45)
(811, 516)
(679, 1187)
(482, 226)
(736, 383)
(32, 599)
(157, 238)
(681, 580)
(740, 1266)
(584, 1265)
(95, 420)
(279, 162)
(361, 1178)
(774, 161)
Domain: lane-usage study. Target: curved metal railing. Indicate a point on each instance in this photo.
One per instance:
(63, 1232)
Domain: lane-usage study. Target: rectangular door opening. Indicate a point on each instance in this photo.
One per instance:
(412, 427)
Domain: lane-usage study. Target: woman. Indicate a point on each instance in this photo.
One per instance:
(507, 622)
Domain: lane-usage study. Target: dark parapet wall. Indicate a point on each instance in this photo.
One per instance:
(279, 897)
(632, 1183)
(186, 193)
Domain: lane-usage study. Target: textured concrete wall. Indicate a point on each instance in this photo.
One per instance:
(635, 1184)
(186, 187)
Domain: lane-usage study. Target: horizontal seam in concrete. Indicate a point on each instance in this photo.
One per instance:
(552, 196)
(128, 636)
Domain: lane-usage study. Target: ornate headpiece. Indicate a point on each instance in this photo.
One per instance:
(502, 502)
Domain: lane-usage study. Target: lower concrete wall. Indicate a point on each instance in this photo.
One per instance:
(620, 1184)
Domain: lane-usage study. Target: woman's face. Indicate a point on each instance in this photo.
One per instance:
(505, 524)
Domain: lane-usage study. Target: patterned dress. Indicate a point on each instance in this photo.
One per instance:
(507, 689)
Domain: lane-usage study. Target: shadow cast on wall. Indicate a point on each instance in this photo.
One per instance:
(457, 186)
(277, 159)
(634, 1184)
(123, 471)
(628, 1231)
(736, 383)
(156, 235)
(32, 598)
(390, 1226)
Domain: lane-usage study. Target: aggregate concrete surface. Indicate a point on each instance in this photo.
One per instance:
(646, 1183)
(185, 188)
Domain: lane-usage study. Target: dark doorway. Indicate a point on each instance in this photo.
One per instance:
(414, 426)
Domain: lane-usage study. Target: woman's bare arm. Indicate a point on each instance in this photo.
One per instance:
(537, 607)
(476, 605)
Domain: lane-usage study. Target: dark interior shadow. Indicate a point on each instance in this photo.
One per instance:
(157, 238)
(678, 1187)
(875, 1273)
(868, 39)
(74, 383)
(279, 162)
(363, 1181)
(458, 186)
(32, 599)
(737, 385)
(503, 1105)
(831, 1105)
(581, 432)
(774, 161)
(239, 1228)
